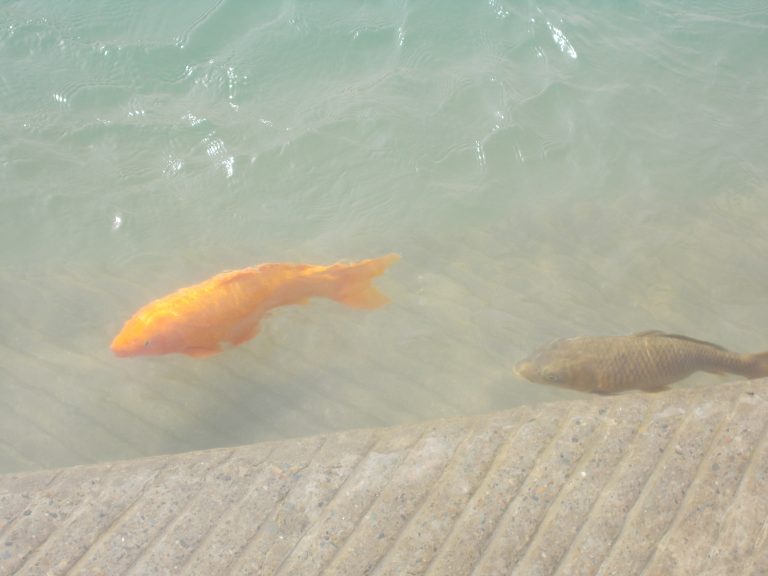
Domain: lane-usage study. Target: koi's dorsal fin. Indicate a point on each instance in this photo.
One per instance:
(272, 266)
(233, 276)
(268, 268)
(661, 334)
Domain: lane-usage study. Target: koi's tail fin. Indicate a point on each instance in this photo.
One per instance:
(354, 287)
(756, 366)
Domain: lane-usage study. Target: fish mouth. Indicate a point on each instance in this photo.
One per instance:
(523, 369)
(121, 349)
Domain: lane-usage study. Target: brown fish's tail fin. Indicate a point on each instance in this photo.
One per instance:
(354, 286)
(755, 366)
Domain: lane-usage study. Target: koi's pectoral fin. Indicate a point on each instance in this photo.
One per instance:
(243, 332)
(202, 352)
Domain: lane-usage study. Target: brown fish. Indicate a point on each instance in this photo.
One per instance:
(646, 361)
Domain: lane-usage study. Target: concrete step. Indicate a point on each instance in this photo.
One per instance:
(672, 483)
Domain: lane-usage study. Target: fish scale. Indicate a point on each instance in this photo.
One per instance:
(229, 307)
(649, 360)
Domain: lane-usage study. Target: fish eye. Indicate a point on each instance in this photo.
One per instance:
(551, 377)
(146, 343)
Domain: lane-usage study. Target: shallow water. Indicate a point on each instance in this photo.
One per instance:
(545, 169)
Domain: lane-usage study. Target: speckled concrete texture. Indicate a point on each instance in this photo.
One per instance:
(664, 484)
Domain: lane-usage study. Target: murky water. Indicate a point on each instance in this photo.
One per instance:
(545, 169)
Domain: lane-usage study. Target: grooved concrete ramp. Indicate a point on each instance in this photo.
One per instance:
(673, 483)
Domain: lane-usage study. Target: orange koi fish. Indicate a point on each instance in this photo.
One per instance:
(228, 307)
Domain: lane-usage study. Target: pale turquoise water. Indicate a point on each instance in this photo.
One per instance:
(546, 169)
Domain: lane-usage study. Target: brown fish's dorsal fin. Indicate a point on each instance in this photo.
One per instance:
(649, 333)
(661, 334)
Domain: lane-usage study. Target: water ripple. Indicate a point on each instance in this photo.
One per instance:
(560, 39)
(546, 169)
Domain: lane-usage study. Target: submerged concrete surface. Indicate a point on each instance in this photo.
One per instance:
(673, 483)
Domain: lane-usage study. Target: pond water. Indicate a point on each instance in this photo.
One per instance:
(545, 169)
